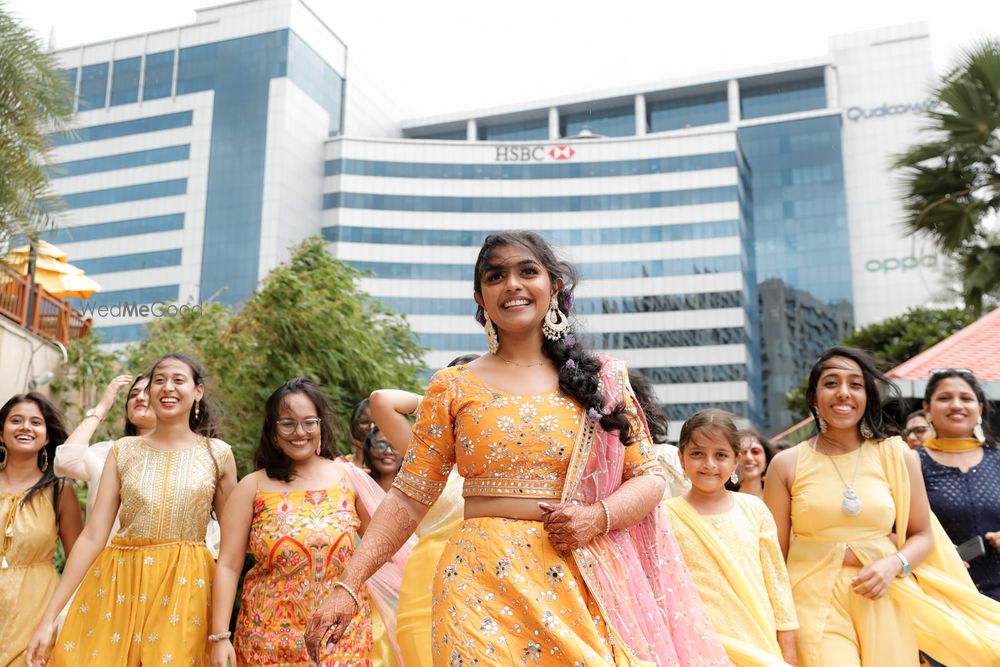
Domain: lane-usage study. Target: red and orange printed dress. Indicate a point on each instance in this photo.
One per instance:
(301, 541)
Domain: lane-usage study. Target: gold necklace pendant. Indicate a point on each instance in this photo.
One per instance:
(514, 363)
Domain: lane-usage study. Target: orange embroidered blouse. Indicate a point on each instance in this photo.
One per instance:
(504, 444)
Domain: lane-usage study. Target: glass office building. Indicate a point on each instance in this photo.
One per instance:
(727, 228)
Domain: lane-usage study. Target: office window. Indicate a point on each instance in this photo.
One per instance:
(125, 81)
(782, 98)
(616, 122)
(94, 86)
(526, 130)
(664, 115)
(159, 75)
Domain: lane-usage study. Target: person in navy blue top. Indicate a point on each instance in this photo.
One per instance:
(961, 466)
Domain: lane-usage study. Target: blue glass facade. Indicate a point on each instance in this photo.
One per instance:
(93, 86)
(125, 81)
(110, 230)
(126, 193)
(615, 122)
(121, 333)
(123, 129)
(134, 262)
(121, 161)
(609, 202)
(781, 98)
(799, 205)
(591, 270)
(635, 340)
(560, 237)
(675, 114)
(505, 172)
(159, 75)
(525, 130)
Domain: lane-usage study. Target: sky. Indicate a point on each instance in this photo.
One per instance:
(444, 56)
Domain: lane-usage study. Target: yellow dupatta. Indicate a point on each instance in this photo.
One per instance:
(741, 652)
(954, 623)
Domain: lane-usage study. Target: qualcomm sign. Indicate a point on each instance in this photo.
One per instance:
(860, 113)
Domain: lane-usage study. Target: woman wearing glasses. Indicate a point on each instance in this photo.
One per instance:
(961, 466)
(381, 459)
(300, 516)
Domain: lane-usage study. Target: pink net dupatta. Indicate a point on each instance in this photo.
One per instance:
(383, 586)
(637, 575)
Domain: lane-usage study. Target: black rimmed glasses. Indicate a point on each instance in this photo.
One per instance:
(290, 426)
(381, 447)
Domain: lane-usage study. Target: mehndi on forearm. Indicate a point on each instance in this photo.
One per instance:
(393, 523)
(633, 500)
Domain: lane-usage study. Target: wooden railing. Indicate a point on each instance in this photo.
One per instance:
(51, 318)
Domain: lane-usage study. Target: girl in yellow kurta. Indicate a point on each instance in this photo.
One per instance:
(144, 599)
(873, 575)
(30, 522)
(730, 545)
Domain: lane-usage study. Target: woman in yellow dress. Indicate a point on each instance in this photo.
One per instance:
(563, 557)
(873, 575)
(36, 509)
(144, 599)
(730, 544)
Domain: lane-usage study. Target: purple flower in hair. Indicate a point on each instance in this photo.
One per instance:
(569, 341)
(568, 300)
(593, 415)
(570, 364)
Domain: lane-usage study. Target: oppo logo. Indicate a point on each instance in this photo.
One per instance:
(890, 264)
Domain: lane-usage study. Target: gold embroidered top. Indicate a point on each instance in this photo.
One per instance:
(167, 495)
(504, 444)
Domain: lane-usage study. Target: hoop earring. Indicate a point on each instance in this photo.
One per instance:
(43, 465)
(492, 340)
(822, 424)
(197, 409)
(977, 432)
(866, 430)
(556, 324)
(3, 450)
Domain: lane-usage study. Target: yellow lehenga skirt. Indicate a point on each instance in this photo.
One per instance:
(504, 596)
(142, 603)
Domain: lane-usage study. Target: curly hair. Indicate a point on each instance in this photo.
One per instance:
(579, 368)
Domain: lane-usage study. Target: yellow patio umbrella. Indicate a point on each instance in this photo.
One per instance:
(59, 278)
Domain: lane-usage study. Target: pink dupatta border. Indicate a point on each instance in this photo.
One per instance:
(637, 575)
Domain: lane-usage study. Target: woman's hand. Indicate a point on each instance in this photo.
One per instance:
(328, 623)
(994, 539)
(571, 526)
(223, 654)
(786, 642)
(37, 652)
(874, 579)
(111, 391)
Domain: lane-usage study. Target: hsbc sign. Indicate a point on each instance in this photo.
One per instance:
(540, 153)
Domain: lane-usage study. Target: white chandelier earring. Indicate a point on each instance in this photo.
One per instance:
(866, 430)
(556, 324)
(822, 424)
(492, 341)
(977, 431)
(734, 478)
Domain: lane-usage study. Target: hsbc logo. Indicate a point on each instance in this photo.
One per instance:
(534, 153)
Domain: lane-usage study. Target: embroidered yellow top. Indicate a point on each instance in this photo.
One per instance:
(503, 444)
(167, 495)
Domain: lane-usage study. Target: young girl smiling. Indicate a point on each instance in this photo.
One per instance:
(730, 545)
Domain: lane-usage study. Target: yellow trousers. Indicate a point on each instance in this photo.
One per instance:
(856, 635)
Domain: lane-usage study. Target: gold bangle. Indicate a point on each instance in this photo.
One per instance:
(354, 596)
(219, 637)
(607, 517)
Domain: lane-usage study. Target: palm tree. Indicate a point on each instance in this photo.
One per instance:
(34, 100)
(953, 180)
